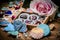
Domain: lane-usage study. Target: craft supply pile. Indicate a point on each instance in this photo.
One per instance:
(15, 18)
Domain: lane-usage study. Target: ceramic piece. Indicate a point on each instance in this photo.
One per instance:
(8, 12)
(14, 33)
(24, 16)
(9, 27)
(33, 17)
(45, 28)
(36, 33)
(28, 21)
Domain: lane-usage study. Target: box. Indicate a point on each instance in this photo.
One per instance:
(47, 18)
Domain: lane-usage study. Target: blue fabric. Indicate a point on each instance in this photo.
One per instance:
(8, 12)
(19, 26)
(23, 29)
(9, 27)
(45, 28)
(15, 33)
(4, 22)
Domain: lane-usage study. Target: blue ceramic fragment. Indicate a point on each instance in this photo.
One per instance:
(9, 27)
(15, 33)
(45, 28)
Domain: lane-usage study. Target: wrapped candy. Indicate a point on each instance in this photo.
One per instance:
(36, 33)
(45, 28)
